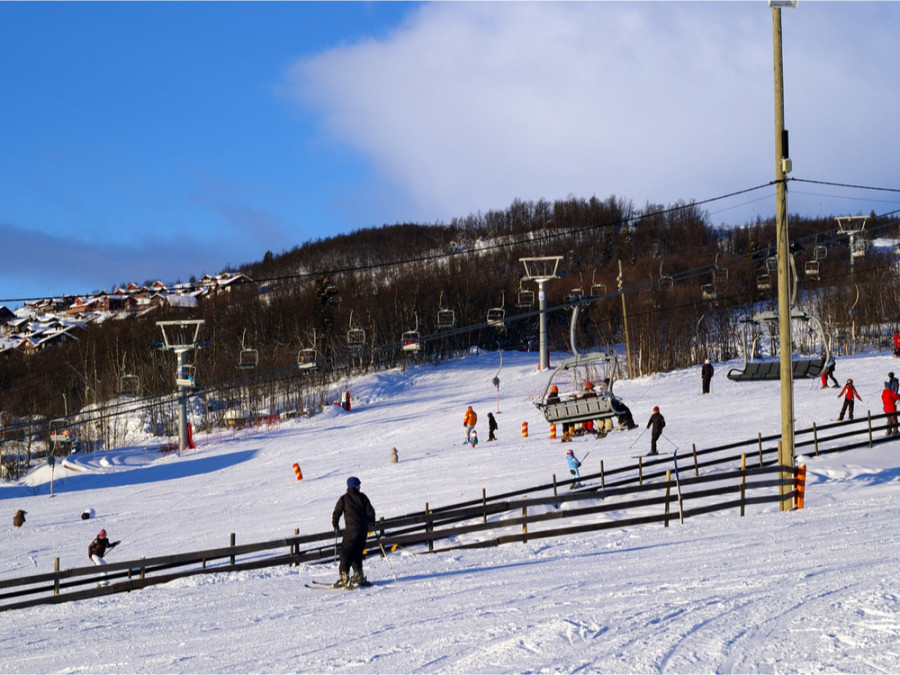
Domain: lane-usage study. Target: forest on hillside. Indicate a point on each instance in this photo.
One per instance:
(685, 284)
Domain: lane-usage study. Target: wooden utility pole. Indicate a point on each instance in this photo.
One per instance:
(621, 281)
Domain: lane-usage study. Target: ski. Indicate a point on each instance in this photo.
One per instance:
(330, 587)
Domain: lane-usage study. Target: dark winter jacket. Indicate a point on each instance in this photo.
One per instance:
(359, 515)
(492, 423)
(658, 422)
(706, 372)
(100, 546)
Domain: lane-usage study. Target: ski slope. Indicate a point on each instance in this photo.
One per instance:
(811, 590)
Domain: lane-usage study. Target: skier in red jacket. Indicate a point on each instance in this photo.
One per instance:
(848, 392)
(889, 398)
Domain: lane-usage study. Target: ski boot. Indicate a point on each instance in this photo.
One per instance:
(358, 579)
(343, 582)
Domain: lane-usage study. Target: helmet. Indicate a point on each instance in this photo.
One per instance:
(890, 374)
(554, 389)
(353, 482)
(569, 452)
(102, 533)
(849, 381)
(656, 408)
(588, 385)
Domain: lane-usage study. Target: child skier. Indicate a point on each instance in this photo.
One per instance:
(574, 465)
(848, 392)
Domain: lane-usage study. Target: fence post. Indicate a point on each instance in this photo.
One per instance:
(668, 492)
(602, 475)
(696, 465)
(554, 481)
(525, 525)
(56, 576)
(815, 439)
(232, 548)
(428, 528)
(869, 417)
(640, 470)
(295, 549)
(143, 568)
(484, 503)
(743, 481)
(759, 437)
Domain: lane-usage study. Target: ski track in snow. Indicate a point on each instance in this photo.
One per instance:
(807, 591)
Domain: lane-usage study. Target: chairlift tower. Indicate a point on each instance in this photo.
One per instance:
(180, 337)
(541, 270)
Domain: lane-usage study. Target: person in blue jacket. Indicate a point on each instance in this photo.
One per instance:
(574, 465)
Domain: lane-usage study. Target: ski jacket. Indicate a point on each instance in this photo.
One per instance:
(492, 423)
(706, 372)
(100, 546)
(573, 462)
(848, 392)
(658, 422)
(358, 514)
(894, 384)
(889, 398)
(470, 418)
(897, 340)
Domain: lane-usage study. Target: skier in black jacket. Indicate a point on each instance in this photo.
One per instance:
(359, 517)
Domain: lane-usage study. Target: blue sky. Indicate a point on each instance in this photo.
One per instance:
(163, 140)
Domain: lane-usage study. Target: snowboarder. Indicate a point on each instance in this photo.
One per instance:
(469, 420)
(574, 465)
(889, 398)
(658, 422)
(895, 384)
(19, 518)
(98, 548)
(492, 427)
(359, 517)
(706, 372)
(828, 372)
(848, 392)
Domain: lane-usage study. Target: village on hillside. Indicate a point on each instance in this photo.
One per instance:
(42, 323)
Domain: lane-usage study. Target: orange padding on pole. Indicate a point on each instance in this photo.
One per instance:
(524, 429)
(552, 431)
(800, 483)
(298, 472)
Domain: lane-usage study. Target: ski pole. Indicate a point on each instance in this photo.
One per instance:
(667, 438)
(381, 546)
(638, 438)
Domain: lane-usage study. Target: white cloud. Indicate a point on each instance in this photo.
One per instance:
(467, 106)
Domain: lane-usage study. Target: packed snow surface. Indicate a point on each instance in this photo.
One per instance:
(810, 590)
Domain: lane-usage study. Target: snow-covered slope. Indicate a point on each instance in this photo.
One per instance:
(809, 590)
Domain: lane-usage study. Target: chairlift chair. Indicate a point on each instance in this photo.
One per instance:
(446, 318)
(811, 269)
(772, 263)
(356, 337)
(409, 340)
(496, 315)
(524, 298)
(859, 248)
(801, 368)
(764, 282)
(708, 291)
(249, 358)
(820, 251)
(307, 359)
(597, 288)
(59, 432)
(666, 282)
(719, 275)
(129, 385)
(186, 376)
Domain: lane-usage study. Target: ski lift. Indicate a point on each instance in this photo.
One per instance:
(446, 318)
(811, 269)
(858, 249)
(575, 294)
(820, 252)
(186, 376)
(249, 358)
(497, 315)
(764, 282)
(772, 263)
(851, 224)
(801, 368)
(409, 340)
(708, 292)
(60, 433)
(666, 282)
(356, 337)
(585, 403)
(128, 385)
(307, 359)
(720, 276)
(596, 287)
(524, 297)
